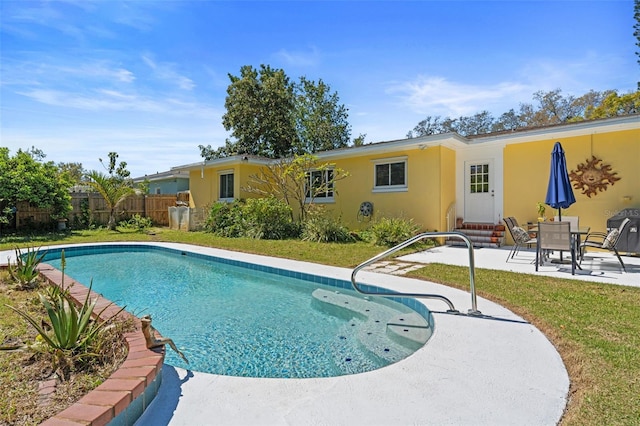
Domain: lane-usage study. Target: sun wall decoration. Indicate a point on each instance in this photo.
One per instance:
(592, 177)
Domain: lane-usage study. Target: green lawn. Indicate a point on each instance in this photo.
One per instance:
(596, 327)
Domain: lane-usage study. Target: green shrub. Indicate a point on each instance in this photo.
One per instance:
(321, 227)
(268, 218)
(83, 220)
(260, 218)
(137, 222)
(391, 231)
(225, 219)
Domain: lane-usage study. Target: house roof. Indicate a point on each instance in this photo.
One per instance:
(564, 130)
(231, 160)
(450, 140)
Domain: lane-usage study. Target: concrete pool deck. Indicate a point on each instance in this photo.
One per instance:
(496, 369)
(493, 370)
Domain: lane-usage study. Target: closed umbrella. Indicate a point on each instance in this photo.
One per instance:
(559, 192)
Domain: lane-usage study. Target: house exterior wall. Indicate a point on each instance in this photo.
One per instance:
(436, 174)
(171, 186)
(526, 175)
(448, 184)
(205, 183)
(430, 188)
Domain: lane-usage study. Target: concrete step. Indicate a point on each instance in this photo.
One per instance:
(480, 234)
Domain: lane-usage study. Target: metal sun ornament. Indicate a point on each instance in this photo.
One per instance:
(593, 177)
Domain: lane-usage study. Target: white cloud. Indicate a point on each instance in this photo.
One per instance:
(299, 58)
(113, 100)
(167, 72)
(576, 76)
(440, 96)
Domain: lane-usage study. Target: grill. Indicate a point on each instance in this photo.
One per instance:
(630, 238)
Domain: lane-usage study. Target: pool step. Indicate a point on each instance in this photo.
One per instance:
(386, 333)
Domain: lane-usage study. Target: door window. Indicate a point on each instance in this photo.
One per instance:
(478, 178)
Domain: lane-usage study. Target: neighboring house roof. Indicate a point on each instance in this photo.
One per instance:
(171, 174)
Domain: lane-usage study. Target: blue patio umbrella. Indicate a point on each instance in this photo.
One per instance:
(559, 192)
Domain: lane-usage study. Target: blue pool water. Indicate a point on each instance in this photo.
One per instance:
(233, 319)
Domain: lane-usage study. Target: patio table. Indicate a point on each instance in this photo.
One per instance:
(576, 235)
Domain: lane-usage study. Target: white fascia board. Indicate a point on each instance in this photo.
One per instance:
(450, 140)
(580, 128)
(226, 161)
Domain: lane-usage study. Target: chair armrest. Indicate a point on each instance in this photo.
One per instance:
(591, 235)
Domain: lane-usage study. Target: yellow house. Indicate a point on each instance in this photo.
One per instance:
(440, 178)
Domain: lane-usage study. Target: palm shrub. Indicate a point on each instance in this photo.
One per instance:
(71, 329)
(25, 271)
(113, 189)
(391, 231)
(320, 226)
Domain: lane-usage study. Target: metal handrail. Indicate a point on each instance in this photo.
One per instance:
(474, 305)
(451, 212)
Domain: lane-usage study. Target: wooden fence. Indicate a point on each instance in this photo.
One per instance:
(90, 206)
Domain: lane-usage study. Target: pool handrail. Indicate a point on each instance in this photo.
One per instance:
(472, 274)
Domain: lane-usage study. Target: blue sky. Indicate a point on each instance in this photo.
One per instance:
(148, 79)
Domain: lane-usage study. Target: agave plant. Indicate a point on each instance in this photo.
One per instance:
(25, 271)
(72, 328)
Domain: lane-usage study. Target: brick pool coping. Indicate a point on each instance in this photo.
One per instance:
(122, 397)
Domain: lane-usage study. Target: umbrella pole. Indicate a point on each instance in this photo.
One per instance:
(560, 220)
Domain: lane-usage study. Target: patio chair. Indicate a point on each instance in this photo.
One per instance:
(555, 236)
(605, 241)
(519, 235)
(573, 220)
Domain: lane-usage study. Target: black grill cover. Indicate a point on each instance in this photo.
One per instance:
(630, 238)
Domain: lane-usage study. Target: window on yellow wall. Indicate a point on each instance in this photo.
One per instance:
(321, 182)
(226, 186)
(390, 175)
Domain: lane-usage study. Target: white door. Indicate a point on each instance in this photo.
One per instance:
(479, 192)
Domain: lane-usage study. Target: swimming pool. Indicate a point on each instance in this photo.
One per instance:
(239, 319)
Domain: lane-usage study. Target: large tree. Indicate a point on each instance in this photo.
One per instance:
(115, 186)
(615, 105)
(270, 116)
(26, 177)
(260, 114)
(552, 108)
(321, 122)
(74, 170)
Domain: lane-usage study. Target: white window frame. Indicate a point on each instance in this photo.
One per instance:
(320, 199)
(226, 173)
(391, 188)
(158, 190)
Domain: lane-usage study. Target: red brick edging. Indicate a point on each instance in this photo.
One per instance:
(129, 390)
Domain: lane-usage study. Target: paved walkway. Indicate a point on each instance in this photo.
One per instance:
(597, 266)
